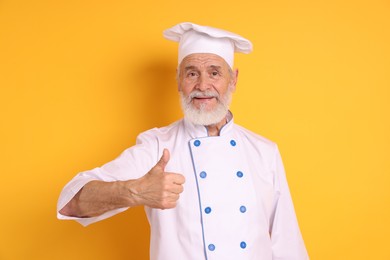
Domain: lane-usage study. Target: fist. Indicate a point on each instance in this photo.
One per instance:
(158, 188)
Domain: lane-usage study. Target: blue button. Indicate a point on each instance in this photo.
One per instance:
(211, 247)
(203, 175)
(197, 143)
(240, 174)
(242, 244)
(233, 143)
(243, 209)
(207, 210)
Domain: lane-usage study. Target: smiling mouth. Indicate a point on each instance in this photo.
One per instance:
(203, 97)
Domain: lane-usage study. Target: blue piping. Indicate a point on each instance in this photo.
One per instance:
(200, 203)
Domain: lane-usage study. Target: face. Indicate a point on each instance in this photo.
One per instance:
(206, 84)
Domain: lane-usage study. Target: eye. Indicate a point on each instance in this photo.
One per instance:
(192, 74)
(214, 73)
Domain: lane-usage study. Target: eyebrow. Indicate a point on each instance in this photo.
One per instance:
(215, 67)
(191, 67)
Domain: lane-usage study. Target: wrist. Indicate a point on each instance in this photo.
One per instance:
(131, 193)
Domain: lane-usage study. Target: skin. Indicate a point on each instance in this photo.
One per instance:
(202, 71)
(158, 188)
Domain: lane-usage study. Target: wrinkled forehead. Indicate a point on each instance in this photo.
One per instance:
(202, 61)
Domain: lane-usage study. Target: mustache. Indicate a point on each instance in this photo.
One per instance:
(203, 94)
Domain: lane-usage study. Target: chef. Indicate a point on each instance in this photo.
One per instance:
(211, 188)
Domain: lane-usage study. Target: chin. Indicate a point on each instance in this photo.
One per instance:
(203, 115)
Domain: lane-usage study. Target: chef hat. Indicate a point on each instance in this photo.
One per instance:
(195, 38)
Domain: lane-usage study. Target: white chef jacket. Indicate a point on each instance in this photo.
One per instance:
(236, 202)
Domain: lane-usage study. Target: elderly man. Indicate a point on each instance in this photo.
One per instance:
(223, 188)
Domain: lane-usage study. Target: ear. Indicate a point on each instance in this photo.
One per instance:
(177, 79)
(233, 83)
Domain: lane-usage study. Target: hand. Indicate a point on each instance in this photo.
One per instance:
(157, 188)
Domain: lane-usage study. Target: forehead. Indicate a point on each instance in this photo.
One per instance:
(203, 60)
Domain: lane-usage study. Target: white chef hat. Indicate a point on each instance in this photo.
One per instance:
(195, 38)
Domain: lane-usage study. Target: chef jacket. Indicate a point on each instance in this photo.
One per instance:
(236, 202)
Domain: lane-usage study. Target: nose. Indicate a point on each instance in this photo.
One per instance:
(203, 82)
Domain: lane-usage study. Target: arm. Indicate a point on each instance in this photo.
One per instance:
(287, 242)
(156, 189)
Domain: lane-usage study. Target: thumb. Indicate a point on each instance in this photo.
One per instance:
(163, 160)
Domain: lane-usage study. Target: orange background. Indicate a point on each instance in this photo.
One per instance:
(80, 79)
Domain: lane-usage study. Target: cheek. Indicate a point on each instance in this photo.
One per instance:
(185, 87)
(224, 87)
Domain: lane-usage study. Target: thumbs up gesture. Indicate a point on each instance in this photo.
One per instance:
(157, 188)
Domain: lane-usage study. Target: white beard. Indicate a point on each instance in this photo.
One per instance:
(201, 116)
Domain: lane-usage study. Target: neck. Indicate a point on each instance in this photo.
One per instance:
(214, 130)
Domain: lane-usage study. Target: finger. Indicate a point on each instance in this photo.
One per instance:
(177, 189)
(179, 179)
(164, 159)
(176, 178)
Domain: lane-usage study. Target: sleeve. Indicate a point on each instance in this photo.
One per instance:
(133, 163)
(286, 238)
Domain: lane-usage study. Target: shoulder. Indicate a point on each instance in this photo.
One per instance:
(257, 145)
(255, 138)
(160, 133)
